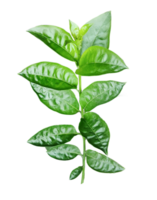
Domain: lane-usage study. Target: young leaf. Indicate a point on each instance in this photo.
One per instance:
(95, 130)
(83, 30)
(74, 29)
(99, 32)
(51, 75)
(56, 38)
(53, 135)
(78, 39)
(64, 152)
(99, 92)
(63, 101)
(78, 44)
(75, 173)
(102, 163)
(99, 60)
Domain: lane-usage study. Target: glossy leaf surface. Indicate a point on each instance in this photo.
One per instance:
(99, 60)
(74, 29)
(64, 152)
(63, 101)
(102, 163)
(95, 130)
(53, 135)
(51, 75)
(56, 38)
(99, 92)
(99, 32)
(75, 173)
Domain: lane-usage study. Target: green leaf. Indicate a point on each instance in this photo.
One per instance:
(77, 32)
(102, 163)
(75, 173)
(95, 130)
(64, 152)
(99, 32)
(99, 60)
(53, 135)
(99, 92)
(111, 11)
(83, 30)
(78, 44)
(74, 29)
(51, 75)
(56, 38)
(63, 101)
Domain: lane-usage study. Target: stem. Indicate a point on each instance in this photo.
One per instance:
(83, 160)
(84, 140)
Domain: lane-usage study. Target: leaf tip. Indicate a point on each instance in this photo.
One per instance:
(26, 30)
(26, 141)
(129, 68)
(17, 73)
(77, 71)
(126, 168)
(126, 82)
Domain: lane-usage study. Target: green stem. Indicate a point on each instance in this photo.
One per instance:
(83, 160)
(84, 140)
(80, 84)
